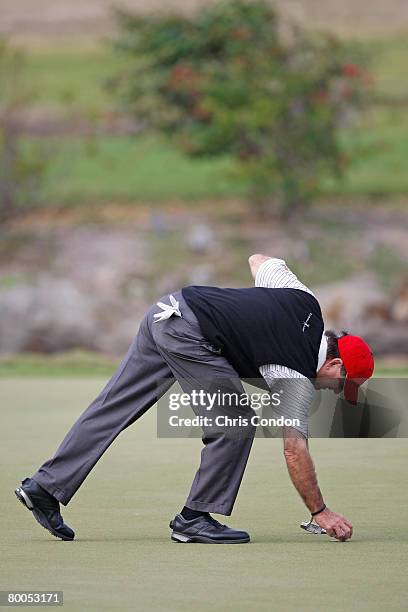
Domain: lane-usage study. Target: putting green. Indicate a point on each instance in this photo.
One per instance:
(123, 558)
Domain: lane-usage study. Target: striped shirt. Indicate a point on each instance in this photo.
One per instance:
(296, 391)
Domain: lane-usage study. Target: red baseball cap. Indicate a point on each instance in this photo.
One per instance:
(358, 361)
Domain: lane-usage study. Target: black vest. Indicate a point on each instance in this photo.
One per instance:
(258, 326)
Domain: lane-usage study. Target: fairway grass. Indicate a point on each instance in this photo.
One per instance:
(123, 557)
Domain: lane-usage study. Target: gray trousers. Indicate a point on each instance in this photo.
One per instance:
(162, 352)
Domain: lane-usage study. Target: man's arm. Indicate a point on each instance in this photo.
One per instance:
(303, 476)
(275, 273)
(272, 272)
(301, 469)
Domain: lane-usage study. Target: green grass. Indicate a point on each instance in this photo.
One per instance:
(73, 75)
(125, 168)
(380, 146)
(71, 364)
(388, 59)
(131, 169)
(82, 364)
(146, 168)
(123, 558)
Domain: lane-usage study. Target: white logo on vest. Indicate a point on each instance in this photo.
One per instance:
(306, 323)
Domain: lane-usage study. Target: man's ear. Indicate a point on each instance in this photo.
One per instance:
(333, 363)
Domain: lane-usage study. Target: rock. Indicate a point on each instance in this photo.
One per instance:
(200, 238)
(98, 260)
(61, 317)
(202, 275)
(399, 305)
(345, 303)
(50, 316)
(15, 305)
(88, 291)
(90, 285)
(360, 306)
(385, 339)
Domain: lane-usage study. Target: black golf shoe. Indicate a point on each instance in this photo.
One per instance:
(205, 530)
(45, 508)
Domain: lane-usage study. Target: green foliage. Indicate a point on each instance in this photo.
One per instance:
(228, 81)
(22, 167)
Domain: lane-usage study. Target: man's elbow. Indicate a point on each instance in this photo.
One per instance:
(256, 258)
(255, 261)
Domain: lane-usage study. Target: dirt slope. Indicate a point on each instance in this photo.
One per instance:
(51, 17)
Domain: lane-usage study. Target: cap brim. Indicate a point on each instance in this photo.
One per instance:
(351, 386)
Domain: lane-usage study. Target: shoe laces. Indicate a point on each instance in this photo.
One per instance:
(214, 522)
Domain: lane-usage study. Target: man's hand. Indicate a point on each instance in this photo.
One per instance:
(304, 478)
(336, 525)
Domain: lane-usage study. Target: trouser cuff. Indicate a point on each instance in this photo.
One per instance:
(61, 496)
(209, 507)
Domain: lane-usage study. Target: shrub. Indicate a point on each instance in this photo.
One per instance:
(228, 80)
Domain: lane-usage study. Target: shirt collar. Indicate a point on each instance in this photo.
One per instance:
(322, 352)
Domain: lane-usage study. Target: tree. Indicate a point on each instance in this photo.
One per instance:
(228, 81)
(22, 164)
